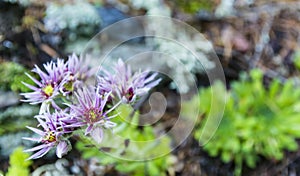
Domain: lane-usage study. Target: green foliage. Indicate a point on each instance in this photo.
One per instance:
(12, 75)
(18, 163)
(155, 167)
(297, 59)
(193, 6)
(257, 122)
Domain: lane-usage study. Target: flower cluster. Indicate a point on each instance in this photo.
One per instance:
(68, 103)
(58, 78)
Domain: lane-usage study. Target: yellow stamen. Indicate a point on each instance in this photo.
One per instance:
(48, 90)
(93, 115)
(50, 137)
(69, 86)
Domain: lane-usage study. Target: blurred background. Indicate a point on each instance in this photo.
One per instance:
(256, 41)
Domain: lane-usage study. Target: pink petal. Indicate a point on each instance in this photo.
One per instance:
(62, 149)
(40, 153)
(31, 139)
(97, 134)
(36, 148)
(88, 129)
(36, 130)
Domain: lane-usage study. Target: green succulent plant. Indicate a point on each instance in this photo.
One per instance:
(258, 122)
(297, 59)
(18, 163)
(12, 75)
(155, 167)
(193, 6)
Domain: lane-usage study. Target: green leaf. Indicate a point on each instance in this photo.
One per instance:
(18, 163)
(226, 156)
(297, 59)
(250, 160)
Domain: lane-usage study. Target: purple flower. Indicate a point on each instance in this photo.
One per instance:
(124, 84)
(90, 112)
(52, 134)
(79, 68)
(77, 71)
(59, 77)
(49, 85)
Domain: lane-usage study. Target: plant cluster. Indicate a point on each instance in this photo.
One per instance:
(129, 149)
(297, 59)
(11, 76)
(18, 163)
(258, 122)
(192, 6)
(69, 103)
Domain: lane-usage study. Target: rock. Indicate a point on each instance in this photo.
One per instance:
(11, 141)
(58, 168)
(21, 112)
(8, 99)
(110, 15)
